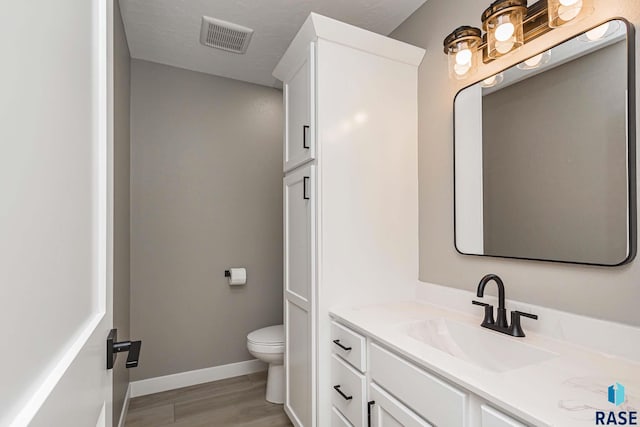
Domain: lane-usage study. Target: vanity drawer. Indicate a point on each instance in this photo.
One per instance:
(348, 392)
(494, 418)
(338, 420)
(349, 345)
(431, 398)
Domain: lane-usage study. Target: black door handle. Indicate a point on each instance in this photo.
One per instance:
(134, 354)
(114, 347)
(337, 388)
(305, 128)
(337, 342)
(304, 188)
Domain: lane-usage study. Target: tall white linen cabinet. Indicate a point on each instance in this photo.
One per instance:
(350, 192)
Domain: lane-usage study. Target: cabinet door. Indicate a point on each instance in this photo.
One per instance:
(338, 420)
(299, 290)
(386, 411)
(494, 418)
(299, 145)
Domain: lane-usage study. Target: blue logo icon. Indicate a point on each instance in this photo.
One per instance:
(616, 394)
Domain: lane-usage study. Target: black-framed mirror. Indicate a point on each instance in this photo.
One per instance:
(545, 155)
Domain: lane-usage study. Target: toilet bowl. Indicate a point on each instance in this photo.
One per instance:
(267, 344)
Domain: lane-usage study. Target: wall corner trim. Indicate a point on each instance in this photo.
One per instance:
(189, 378)
(125, 407)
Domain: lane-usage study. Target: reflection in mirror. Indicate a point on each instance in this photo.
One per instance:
(542, 155)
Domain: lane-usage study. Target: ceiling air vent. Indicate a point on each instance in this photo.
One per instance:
(225, 35)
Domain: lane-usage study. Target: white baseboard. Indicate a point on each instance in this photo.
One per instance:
(186, 379)
(125, 407)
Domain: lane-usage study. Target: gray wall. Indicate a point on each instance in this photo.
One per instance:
(558, 191)
(609, 293)
(121, 292)
(206, 165)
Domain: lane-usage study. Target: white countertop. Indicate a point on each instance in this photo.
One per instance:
(563, 391)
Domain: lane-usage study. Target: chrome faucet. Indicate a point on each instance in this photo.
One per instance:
(501, 325)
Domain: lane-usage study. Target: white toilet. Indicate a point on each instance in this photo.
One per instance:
(267, 344)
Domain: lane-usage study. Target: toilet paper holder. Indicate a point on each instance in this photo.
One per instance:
(237, 276)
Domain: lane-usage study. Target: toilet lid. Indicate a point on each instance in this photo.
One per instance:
(272, 335)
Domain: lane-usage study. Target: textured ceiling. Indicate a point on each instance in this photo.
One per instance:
(168, 31)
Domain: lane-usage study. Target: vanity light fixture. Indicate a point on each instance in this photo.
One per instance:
(510, 24)
(462, 48)
(504, 23)
(564, 12)
(492, 81)
(535, 61)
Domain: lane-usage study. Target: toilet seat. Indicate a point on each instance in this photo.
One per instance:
(266, 349)
(267, 340)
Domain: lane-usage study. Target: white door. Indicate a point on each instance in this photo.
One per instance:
(299, 290)
(55, 212)
(299, 144)
(386, 411)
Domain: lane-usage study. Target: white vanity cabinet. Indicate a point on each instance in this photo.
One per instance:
(391, 391)
(350, 202)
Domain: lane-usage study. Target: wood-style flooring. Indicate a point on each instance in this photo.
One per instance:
(234, 402)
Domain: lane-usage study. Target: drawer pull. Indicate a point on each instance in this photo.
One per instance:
(337, 388)
(369, 405)
(305, 128)
(305, 196)
(337, 342)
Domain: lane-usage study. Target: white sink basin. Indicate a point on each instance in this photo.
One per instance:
(488, 349)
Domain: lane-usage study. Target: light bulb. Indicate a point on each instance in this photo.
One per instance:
(463, 57)
(598, 32)
(490, 81)
(505, 31)
(570, 11)
(462, 69)
(505, 47)
(568, 2)
(535, 61)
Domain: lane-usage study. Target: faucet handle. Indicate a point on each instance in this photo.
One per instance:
(516, 329)
(488, 313)
(482, 304)
(523, 314)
